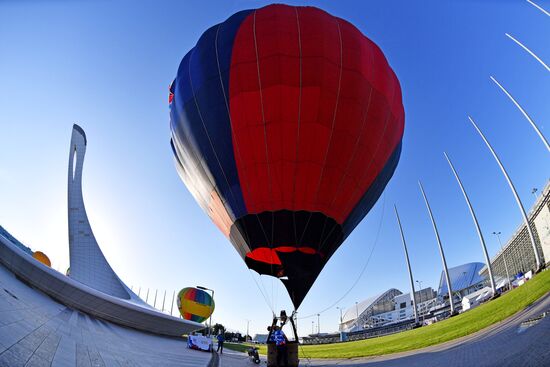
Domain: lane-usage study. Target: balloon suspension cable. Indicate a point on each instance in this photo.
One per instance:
(262, 293)
(362, 270)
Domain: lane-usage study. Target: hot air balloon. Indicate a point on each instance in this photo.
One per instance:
(286, 127)
(195, 304)
(41, 257)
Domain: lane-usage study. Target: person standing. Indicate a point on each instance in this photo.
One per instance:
(221, 339)
(280, 340)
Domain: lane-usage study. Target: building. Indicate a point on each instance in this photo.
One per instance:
(465, 279)
(386, 308)
(476, 298)
(517, 254)
(260, 338)
(15, 241)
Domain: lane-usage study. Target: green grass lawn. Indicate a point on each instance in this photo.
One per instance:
(455, 327)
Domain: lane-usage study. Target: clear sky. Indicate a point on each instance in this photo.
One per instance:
(107, 65)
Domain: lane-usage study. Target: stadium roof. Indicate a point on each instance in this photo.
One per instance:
(462, 277)
(353, 312)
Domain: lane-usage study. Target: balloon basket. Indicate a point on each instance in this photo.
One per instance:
(292, 350)
(292, 346)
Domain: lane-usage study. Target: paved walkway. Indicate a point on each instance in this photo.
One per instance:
(505, 344)
(37, 331)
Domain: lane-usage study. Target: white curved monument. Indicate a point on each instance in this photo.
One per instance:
(88, 264)
(92, 287)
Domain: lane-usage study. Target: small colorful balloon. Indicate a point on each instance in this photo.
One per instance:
(195, 304)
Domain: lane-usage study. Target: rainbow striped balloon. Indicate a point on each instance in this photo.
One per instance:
(195, 304)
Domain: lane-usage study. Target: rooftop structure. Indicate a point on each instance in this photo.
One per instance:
(386, 308)
(465, 279)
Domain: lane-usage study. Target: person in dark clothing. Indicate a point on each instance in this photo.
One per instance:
(280, 340)
(221, 339)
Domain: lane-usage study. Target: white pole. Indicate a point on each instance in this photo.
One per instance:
(474, 218)
(445, 269)
(172, 306)
(518, 200)
(524, 113)
(538, 7)
(408, 264)
(528, 50)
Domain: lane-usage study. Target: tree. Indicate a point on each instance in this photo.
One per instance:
(217, 328)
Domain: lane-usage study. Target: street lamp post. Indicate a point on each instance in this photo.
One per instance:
(420, 291)
(518, 201)
(340, 327)
(479, 233)
(340, 308)
(318, 324)
(312, 327)
(504, 258)
(246, 336)
(357, 316)
(445, 269)
(211, 290)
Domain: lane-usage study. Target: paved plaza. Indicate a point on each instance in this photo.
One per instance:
(37, 331)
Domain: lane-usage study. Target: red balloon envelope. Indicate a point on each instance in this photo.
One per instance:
(286, 127)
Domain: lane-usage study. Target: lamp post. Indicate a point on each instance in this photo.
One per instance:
(504, 258)
(420, 291)
(357, 316)
(340, 308)
(340, 327)
(518, 201)
(246, 336)
(478, 228)
(312, 327)
(211, 290)
(318, 324)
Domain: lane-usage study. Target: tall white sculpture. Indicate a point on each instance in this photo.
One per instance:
(88, 264)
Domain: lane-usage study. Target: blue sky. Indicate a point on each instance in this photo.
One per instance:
(107, 65)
